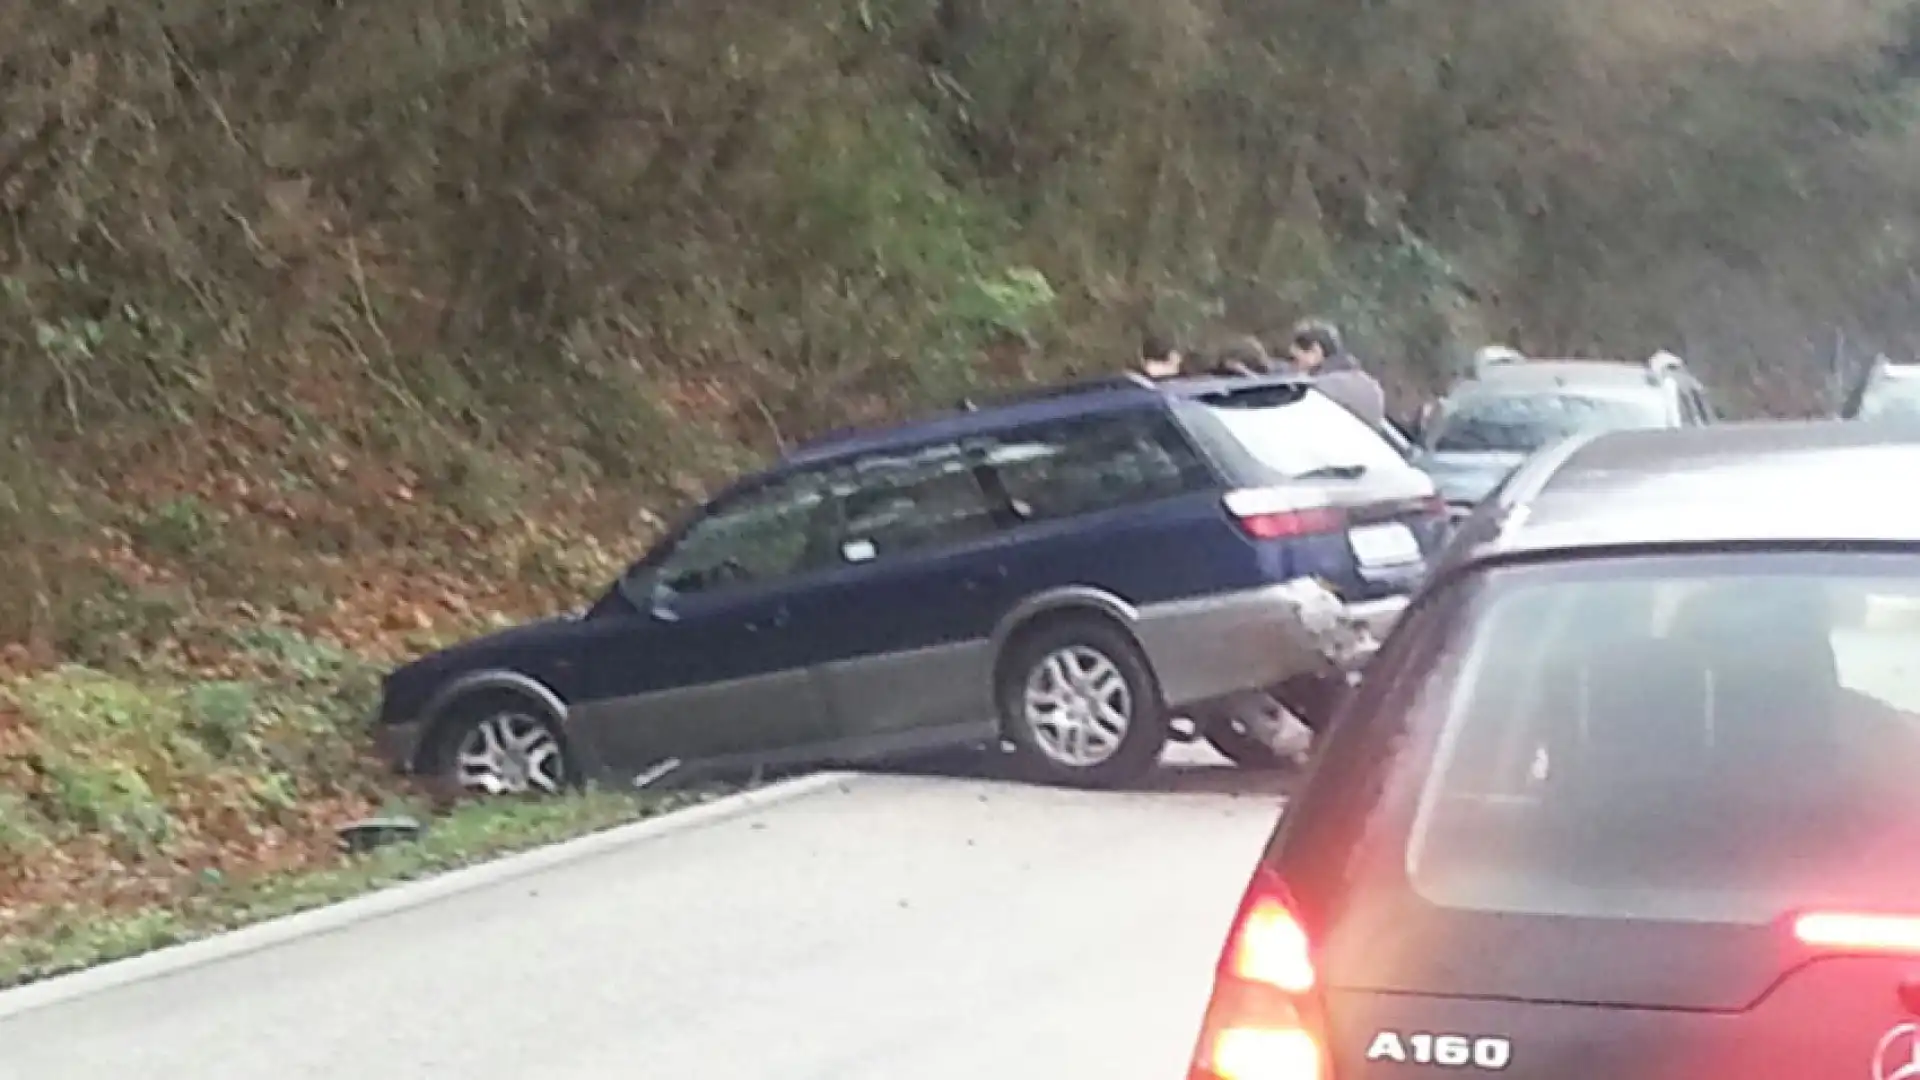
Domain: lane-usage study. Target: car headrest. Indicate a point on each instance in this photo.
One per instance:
(1645, 710)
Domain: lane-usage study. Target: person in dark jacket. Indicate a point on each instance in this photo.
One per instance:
(1242, 356)
(1318, 351)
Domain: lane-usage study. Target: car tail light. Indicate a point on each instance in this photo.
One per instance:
(1278, 513)
(1261, 1023)
(1842, 931)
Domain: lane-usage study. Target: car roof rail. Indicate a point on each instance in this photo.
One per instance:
(1131, 380)
(971, 403)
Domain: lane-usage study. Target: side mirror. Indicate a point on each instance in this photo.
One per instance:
(656, 598)
(661, 606)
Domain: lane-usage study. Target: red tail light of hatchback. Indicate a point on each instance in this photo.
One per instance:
(1859, 932)
(1262, 1022)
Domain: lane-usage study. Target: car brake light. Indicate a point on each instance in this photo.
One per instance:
(1859, 932)
(1260, 1022)
(1278, 513)
(1271, 948)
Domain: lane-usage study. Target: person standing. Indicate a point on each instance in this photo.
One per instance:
(1317, 351)
(1243, 356)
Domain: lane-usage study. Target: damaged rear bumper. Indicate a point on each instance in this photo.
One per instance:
(1208, 648)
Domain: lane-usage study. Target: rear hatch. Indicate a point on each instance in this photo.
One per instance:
(1651, 817)
(1322, 494)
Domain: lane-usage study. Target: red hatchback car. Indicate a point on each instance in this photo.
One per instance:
(1632, 791)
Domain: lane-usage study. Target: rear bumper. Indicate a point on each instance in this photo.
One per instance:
(1210, 647)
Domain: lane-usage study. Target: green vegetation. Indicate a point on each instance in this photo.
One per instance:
(208, 902)
(330, 331)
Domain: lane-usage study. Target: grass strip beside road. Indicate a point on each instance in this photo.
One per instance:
(69, 938)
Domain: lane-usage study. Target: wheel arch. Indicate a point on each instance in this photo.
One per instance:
(1059, 605)
(449, 702)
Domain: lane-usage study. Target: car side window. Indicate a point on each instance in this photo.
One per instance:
(895, 504)
(1096, 463)
(759, 536)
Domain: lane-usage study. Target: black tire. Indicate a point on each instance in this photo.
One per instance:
(1243, 749)
(1313, 698)
(440, 764)
(1139, 746)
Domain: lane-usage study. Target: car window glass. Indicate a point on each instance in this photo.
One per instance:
(1524, 421)
(1096, 463)
(760, 536)
(1288, 434)
(1680, 745)
(895, 504)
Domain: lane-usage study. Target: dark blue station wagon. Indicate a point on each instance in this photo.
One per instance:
(1059, 573)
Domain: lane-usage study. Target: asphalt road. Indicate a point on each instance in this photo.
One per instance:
(890, 927)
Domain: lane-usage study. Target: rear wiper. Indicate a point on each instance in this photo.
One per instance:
(1334, 472)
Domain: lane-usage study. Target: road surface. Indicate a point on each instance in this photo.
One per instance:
(891, 927)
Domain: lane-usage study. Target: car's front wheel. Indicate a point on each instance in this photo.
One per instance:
(501, 745)
(1080, 704)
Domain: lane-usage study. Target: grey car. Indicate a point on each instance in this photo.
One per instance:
(1489, 424)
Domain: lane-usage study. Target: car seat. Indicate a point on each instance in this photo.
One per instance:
(1768, 646)
(1631, 756)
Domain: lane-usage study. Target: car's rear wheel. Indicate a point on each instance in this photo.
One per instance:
(1313, 698)
(1081, 705)
(501, 745)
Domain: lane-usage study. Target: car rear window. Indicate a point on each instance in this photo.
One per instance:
(1285, 432)
(1715, 737)
(1525, 421)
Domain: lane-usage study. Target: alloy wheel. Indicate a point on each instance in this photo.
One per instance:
(510, 753)
(1078, 706)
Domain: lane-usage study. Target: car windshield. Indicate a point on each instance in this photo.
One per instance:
(1524, 421)
(1679, 738)
(1296, 435)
